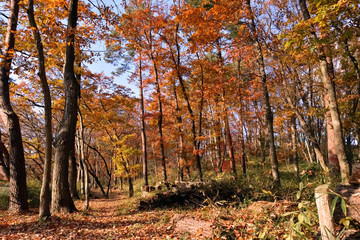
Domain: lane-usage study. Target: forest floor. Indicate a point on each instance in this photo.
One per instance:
(118, 217)
(107, 219)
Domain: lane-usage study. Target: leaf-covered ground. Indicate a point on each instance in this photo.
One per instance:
(117, 218)
(107, 219)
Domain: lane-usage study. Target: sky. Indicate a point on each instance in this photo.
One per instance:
(100, 66)
(107, 68)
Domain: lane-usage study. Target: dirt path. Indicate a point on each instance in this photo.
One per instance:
(110, 218)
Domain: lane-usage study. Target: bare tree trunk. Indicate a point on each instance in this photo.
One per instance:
(108, 171)
(96, 180)
(45, 194)
(330, 92)
(182, 157)
(64, 142)
(4, 160)
(230, 144)
(218, 131)
(82, 159)
(333, 161)
(201, 107)
(143, 127)
(17, 186)
(268, 112)
(73, 175)
(160, 120)
(177, 63)
(294, 154)
(229, 141)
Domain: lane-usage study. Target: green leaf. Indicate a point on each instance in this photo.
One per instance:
(343, 206)
(301, 186)
(333, 205)
(298, 195)
(301, 218)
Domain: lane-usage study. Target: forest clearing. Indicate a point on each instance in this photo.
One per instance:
(243, 121)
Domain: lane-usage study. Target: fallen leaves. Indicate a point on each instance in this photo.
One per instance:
(101, 222)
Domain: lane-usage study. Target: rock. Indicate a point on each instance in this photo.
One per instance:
(195, 227)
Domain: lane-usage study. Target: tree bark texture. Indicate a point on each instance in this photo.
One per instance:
(330, 92)
(73, 175)
(323, 204)
(17, 185)
(64, 141)
(4, 161)
(45, 194)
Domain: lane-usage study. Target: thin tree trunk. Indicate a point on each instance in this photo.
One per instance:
(201, 103)
(192, 116)
(182, 157)
(334, 111)
(143, 127)
(125, 164)
(160, 120)
(64, 142)
(96, 179)
(108, 171)
(294, 154)
(230, 144)
(229, 141)
(82, 159)
(310, 134)
(268, 112)
(45, 194)
(177, 63)
(17, 185)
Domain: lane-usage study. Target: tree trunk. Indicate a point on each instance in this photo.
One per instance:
(45, 194)
(108, 171)
(177, 63)
(160, 120)
(82, 159)
(64, 142)
(73, 175)
(229, 141)
(17, 185)
(294, 153)
(330, 92)
(310, 134)
(96, 180)
(268, 112)
(333, 161)
(182, 157)
(131, 187)
(143, 127)
(230, 144)
(4, 160)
